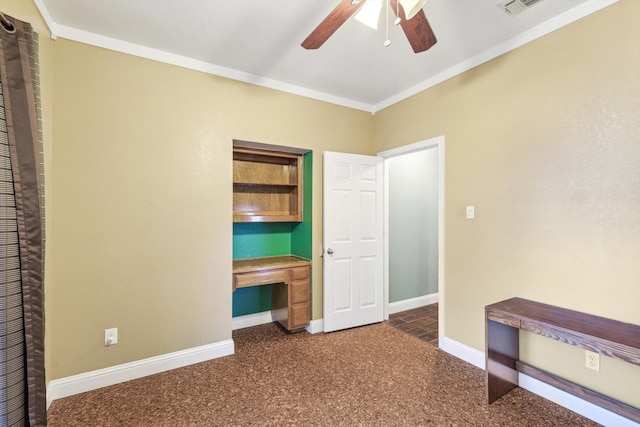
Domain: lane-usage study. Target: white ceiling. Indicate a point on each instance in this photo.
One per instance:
(258, 41)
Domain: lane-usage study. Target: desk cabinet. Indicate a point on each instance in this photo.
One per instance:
(290, 302)
(290, 277)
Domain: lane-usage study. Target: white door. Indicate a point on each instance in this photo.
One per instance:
(352, 240)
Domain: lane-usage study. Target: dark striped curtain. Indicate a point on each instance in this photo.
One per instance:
(22, 377)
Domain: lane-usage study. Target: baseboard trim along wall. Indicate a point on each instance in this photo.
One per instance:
(249, 320)
(557, 396)
(411, 303)
(261, 318)
(93, 380)
(462, 351)
(315, 326)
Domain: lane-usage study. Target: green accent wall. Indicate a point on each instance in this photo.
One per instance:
(301, 244)
(258, 239)
(252, 240)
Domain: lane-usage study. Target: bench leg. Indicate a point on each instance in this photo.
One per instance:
(502, 352)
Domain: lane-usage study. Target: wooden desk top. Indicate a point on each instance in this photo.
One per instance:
(245, 265)
(621, 340)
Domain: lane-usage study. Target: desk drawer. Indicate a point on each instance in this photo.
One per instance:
(243, 280)
(299, 315)
(299, 273)
(299, 291)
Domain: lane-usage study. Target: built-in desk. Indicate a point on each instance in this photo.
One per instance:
(290, 278)
(605, 336)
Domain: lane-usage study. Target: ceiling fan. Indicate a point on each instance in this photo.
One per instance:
(412, 20)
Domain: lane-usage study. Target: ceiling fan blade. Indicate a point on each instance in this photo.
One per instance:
(417, 29)
(331, 23)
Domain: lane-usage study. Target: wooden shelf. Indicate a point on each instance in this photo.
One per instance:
(267, 186)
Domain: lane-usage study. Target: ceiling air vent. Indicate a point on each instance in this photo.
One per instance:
(514, 7)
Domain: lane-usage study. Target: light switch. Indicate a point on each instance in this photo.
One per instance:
(471, 212)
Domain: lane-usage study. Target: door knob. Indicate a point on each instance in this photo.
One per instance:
(330, 251)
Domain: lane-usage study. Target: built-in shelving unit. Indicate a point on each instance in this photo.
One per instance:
(267, 186)
(272, 215)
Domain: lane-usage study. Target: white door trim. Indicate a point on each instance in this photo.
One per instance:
(411, 148)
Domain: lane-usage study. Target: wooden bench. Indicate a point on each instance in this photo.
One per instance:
(604, 336)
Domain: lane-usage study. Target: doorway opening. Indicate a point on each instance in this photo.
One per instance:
(414, 227)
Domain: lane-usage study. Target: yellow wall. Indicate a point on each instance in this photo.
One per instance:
(542, 140)
(545, 142)
(139, 197)
(142, 216)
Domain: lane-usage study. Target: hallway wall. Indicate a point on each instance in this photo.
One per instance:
(413, 224)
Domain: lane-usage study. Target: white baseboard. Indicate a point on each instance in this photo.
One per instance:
(93, 380)
(315, 326)
(574, 403)
(395, 307)
(250, 320)
(256, 319)
(411, 303)
(462, 351)
(560, 397)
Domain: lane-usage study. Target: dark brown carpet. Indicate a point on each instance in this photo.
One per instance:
(369, 376)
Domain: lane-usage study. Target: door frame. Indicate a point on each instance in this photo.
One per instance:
(406, 149)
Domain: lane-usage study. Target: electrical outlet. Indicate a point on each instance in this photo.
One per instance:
(592, 360)
(110, 336)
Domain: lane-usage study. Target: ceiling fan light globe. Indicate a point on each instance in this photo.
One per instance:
(369, 14)
(411, 7)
